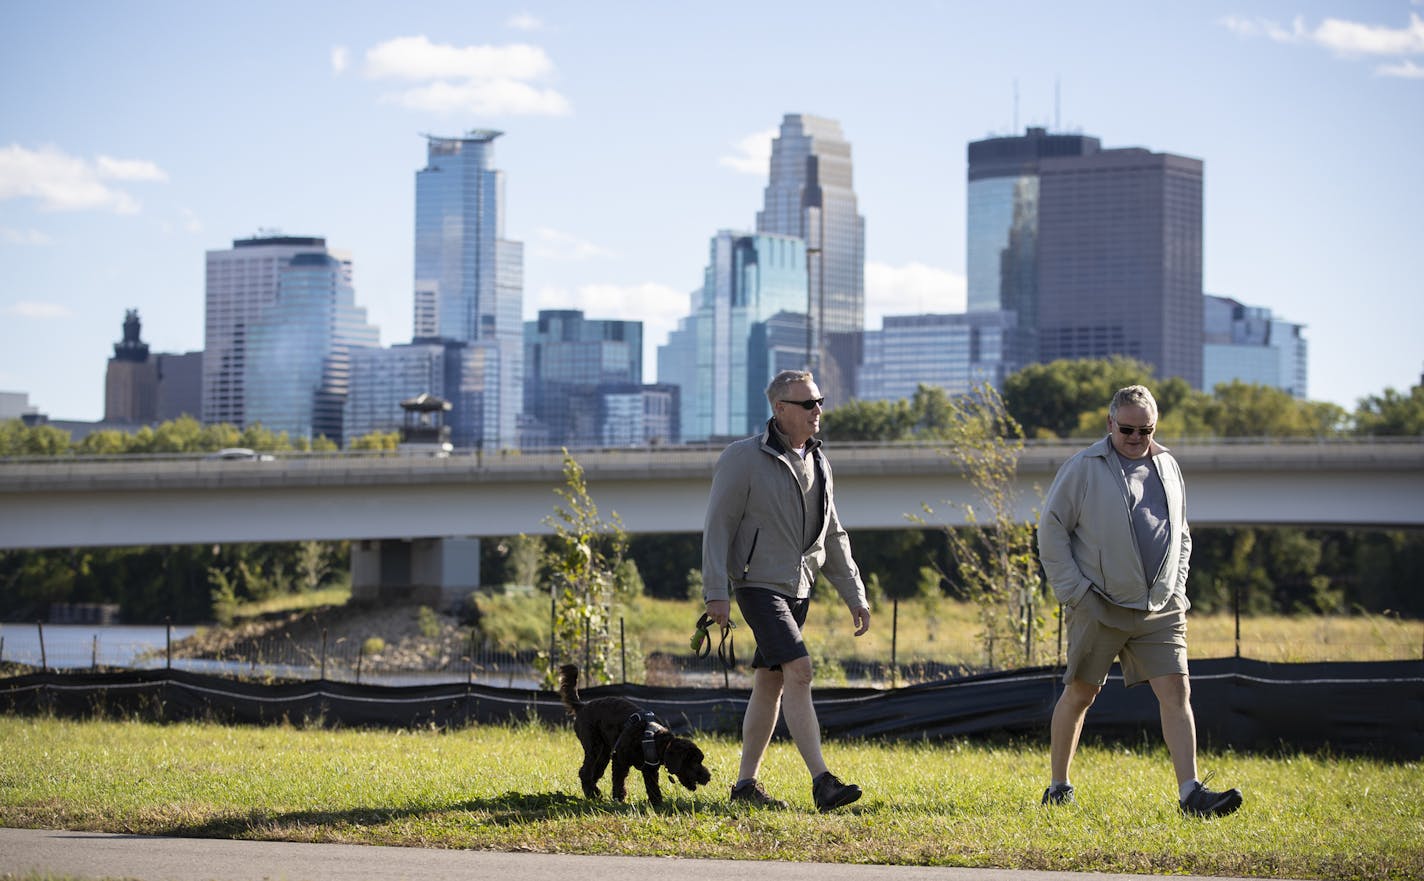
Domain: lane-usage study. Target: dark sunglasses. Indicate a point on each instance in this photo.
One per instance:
(808, 404)
(1145, 431)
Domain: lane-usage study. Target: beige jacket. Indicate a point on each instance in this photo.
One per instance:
(753, 533)
(1085, 537)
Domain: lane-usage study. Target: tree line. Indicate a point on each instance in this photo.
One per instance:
(1263, 569)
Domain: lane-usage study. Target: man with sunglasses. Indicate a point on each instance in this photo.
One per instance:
(771, 527)
(1114, 542)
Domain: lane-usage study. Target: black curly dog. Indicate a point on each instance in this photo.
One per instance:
(616, 728)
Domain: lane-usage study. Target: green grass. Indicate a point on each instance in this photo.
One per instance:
(947, 631)
(507, 788)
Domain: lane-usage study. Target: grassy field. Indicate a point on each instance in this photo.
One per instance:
(947, 631)
(507, 788)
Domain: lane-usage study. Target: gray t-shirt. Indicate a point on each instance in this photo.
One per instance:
(1147, 500)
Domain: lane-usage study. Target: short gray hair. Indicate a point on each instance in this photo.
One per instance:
(1133, 396)
(783, 381)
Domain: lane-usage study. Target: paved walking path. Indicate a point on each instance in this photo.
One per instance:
(93, 855)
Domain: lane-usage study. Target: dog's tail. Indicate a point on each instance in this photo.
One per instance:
(568, 687)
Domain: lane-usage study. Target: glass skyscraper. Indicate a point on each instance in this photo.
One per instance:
(810, 194)
(299, 349)
(245, 283)
(567, 359)
(724, 354)
(1001, 254)
(1247, 343)
(469, 282)
(954, 351)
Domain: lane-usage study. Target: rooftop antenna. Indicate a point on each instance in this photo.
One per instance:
(1015, 129)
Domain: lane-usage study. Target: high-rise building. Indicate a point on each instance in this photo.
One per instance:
(299, 349)
(142, 388)
(180, 385)
(242, 284)
(810, 194)
(954, 351)
(131, 381)
(469, 281)
(1247, 343)
(567, 358)
(725, 353)
(383, 377)
(1120, 259)
(1001, 254)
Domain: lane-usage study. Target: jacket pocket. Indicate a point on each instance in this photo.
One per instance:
(751, 552)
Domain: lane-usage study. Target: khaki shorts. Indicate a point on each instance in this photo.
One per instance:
(1149, 644)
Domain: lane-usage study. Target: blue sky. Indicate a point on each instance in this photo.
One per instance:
(135, 136)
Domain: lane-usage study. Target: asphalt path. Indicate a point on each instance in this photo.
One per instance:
(96, 855)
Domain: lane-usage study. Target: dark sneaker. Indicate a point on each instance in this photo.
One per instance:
(830, 793)
(1059, 794)
(1203, 802)
(752, 793)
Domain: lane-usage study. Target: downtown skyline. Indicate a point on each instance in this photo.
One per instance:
(121, 167)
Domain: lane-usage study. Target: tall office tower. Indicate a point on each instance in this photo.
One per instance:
(180, 385)
(299, 349)
(719, 356)
(1247, 343)
(242, 284)
(131, 382)
(1001, 254)
(383, 377)
(810, 195)
(469, 281)
(567, 358)
(954, 351)
(1120, 259)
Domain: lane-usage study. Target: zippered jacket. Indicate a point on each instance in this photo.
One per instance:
(1085, 536)
(753, 534)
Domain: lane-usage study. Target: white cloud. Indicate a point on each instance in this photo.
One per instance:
(753, 153)
(481, 80)
(24, 237)
(525, 22)
(340, 59)
(38, 311)
(551, 244)
(416, 58)
(68, 183)
(1405, 69)
(1344, 38)
(129, 169)
(482, 97)
(911, 289)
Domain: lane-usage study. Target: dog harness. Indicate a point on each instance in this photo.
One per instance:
(646, 727)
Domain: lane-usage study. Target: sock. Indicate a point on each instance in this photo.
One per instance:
(1187, 789)
(1060, 784)
(745, 781)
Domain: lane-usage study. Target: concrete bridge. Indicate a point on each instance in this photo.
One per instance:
(117, 501)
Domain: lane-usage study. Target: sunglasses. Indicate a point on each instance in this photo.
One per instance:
(1145, 431)
(808, 404)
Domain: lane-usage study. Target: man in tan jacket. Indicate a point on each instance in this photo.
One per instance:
(771, 528)
(1114, 542)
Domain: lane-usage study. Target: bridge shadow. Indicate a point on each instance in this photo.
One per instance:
(509, 809)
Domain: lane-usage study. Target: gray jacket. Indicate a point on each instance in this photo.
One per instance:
(754, 527)
(1085, 537)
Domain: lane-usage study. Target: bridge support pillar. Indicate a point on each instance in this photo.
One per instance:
(438, 572)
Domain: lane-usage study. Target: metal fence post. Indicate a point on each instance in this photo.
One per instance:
(44, 662)
(894, 642)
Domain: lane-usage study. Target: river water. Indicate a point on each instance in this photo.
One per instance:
(78, 647)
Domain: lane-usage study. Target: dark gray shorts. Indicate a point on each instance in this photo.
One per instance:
(776, 621)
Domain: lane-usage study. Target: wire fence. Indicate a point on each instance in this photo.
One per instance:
(912, 646)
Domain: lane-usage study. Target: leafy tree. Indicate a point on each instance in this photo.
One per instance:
(582, 559)
(1240, 409)
(19, 439)
(995, 559)
(1392, 413)
(376, 441)
(868, 421)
